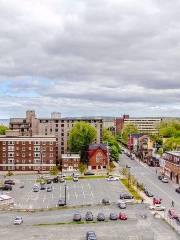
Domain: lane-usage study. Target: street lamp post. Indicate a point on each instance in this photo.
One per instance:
(108, 158)
(65, 192)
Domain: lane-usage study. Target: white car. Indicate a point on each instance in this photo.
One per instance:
(165, 180)
(121, 204)
(75, 179)
(157, 207)
(112, 178)
(18, 220)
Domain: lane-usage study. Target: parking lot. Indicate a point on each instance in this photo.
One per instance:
(83, 192)
(135, 228)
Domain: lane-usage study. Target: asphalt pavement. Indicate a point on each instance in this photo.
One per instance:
(147, 175)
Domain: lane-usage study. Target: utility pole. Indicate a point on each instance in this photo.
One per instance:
(108, 158)
(65, 192)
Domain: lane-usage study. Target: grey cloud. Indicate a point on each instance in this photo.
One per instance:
(92, 51)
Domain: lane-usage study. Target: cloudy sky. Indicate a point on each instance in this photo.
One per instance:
(90, 57)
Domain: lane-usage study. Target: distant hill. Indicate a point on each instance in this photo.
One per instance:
(4, 122)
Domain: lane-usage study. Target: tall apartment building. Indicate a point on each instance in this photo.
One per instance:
(54, 126)
(24, 153)
(144, 124)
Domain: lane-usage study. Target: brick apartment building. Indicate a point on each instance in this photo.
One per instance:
(25, 153)
(171, 167)
(54, 126)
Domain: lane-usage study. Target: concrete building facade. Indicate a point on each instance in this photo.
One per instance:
(54, 126)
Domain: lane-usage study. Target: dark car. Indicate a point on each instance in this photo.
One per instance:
(113, 216)
(100, 217)
(77, 217)
(10, 182)
(55, 180)
(88, 173)
(61, 203)
(126, 196)
(90, 235)
(105, 201)
(178, 221)
(148, 194)
(49, 181)
(160, 177)
(42, 187)
(177, 190)
(89, 216)
(6, 187)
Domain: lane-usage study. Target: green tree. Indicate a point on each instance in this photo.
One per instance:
(82, 168)
(124, 172)
(54, 170)
(81, 135)
(128, 129)
(3, 129)
(114, 146)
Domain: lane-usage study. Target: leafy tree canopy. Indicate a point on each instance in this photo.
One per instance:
(3, 129)
(81, 135)
(128, 129)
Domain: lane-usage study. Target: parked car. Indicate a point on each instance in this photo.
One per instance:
(61, 203)
(42, 187)
(112, 178)
(90, 235)
(157, 207)
(55, 179)
(18, 220)
(105, 201)
(75, 179)
(6, 187)
(88, 173)
(173, 214)
(148, 194)
(178, 221)
(165, 180)
(177, 190)
(49, 189)
(113, 216)
(61, 180)
(126, 196)
(21, 186)
(89, 216)
(160, 177)
(122, 216)
(122, 204)
(49, 181)
(35, 188)
(100, 217)
(10, 182)
(77, 217)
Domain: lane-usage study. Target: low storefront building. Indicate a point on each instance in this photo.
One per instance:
(70, 161)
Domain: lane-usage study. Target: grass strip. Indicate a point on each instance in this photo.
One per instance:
(66, 223)
(131, 189)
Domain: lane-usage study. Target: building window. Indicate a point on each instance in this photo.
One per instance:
(4, 155)
(23, 143)
(51, 154)
(23, 155)
(51, 143)
(51, 149)
(23, 148)
(4, 143)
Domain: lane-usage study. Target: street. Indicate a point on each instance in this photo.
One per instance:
(147, 175)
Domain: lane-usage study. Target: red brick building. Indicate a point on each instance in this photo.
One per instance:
(27, 153)
(97, 157)
(70, 161)
(172, 165)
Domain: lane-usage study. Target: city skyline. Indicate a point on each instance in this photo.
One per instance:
(88, 58)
